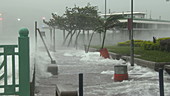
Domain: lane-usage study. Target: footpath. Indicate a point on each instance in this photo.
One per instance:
(65, 82)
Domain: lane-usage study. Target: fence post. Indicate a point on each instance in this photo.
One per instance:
(24, 64)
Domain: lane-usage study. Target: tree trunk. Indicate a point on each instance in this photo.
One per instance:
(71, 38)
(100, 37)
(64, 33)
(77, 39)
(88, 35)
(83, 37)
(104, 37)
(66, 37)
(89, 42)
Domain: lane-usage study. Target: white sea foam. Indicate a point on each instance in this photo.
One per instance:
(142, 81)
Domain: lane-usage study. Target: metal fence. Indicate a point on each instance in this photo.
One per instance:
(10, 85)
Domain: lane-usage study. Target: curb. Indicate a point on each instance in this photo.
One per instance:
(150, 64)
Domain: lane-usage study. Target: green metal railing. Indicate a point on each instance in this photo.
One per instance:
(22, 88)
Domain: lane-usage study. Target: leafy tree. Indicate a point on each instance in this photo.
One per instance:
(87, 18)
(84, 18)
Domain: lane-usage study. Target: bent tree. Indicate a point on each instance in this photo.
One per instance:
(78, 19)
(81, 19)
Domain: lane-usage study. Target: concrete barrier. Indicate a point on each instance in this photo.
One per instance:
(162, 65)
(53, 69)
(167, 68)
(65, 90)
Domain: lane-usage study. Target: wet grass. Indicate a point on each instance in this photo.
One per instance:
(151, 55)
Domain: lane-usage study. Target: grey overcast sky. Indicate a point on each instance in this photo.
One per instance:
(33, 10)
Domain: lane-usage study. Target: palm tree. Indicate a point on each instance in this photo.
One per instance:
(109, 23)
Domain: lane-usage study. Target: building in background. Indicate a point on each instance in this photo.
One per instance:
(144, 28)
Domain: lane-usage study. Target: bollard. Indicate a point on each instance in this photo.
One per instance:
(24, 65)
(161, 82)
(81, 84)
(104, 53)
(120, 73)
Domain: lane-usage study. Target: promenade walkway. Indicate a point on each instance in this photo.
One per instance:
(98, 75)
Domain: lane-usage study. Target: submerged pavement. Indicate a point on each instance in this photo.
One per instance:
(98, 75)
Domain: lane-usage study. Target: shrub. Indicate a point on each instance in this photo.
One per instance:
(138, 40)
(160, 39)
(123, 44)
(137, 43)
(148, 45)
(165, 45)
(155, 46)
(162, 44)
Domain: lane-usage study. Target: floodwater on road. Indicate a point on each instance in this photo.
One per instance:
(98, 74)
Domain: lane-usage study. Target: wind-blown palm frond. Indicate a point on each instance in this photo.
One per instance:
(113, 21)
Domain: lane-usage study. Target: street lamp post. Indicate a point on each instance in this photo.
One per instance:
(105, 10)
(132, 41)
